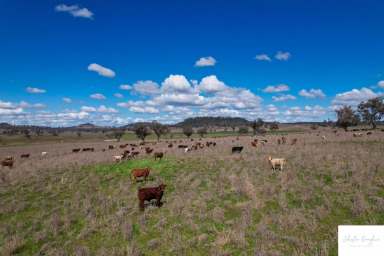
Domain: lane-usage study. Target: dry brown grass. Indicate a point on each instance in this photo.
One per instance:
(215, 203)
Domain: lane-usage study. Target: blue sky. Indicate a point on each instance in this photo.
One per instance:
(65, 62)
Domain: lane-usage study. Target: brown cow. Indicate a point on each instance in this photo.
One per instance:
(148, 150)
(283, 140)
(8, 161)
(147, 194)
(158, 155)
(254, 144)
(136, 173)
(294, 141)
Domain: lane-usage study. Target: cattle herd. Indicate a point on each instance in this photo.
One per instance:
(133, 150)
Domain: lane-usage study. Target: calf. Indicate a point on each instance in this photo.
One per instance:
(147, 194)
(237, 149)
(44, 154)
(158, 155)
(118, 158)
(24, 155)
(136, 173)
(276, 162)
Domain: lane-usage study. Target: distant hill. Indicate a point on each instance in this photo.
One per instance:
(86, 126)
(5, 125)
(213, 121)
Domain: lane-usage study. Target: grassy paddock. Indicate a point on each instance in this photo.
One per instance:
(214, 204)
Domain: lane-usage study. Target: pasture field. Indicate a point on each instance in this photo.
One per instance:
(215, 202)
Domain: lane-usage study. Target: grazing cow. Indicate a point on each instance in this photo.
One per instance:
(283, 140)
(25, 155)
(254, 144)
(369, 133)
(187, 150)
(324, 138)
(127, 154)
(148, 150)
(118, 158)
(142, 143)
(44, 154)
(8, 161)
(357, 134)
(147, 194)
(111, 147)
(135, 153)
(170, 145)
(75, 150)
(182, 146)
(237, 149)
(158, 155)
(276, 162)
(123, 146)
(294, 141)
(136, 173)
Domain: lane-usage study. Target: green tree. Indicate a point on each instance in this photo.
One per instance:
(141, 131)
(243, 130)
(202, 131)
(371, 111)
(256, 125)
(188, 131)
(159, 129)
(346, 117)
(118, 134)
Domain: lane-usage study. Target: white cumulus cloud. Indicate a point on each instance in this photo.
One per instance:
(102, 71)
(97, 96)
(381, 83)
(283, 56)
(263, 57)
(312, 93)
(211, 84)
(67, 100)
(354, 97)
(35, 90)
(276, 88)
(176, 83)
(283, 97)
(205, 62)
(125, 87)
(146, 87)
(75, 11)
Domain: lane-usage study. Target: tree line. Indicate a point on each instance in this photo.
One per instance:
(369, 112)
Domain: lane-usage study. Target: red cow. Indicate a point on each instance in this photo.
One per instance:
(147, 194)
(136, 173)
